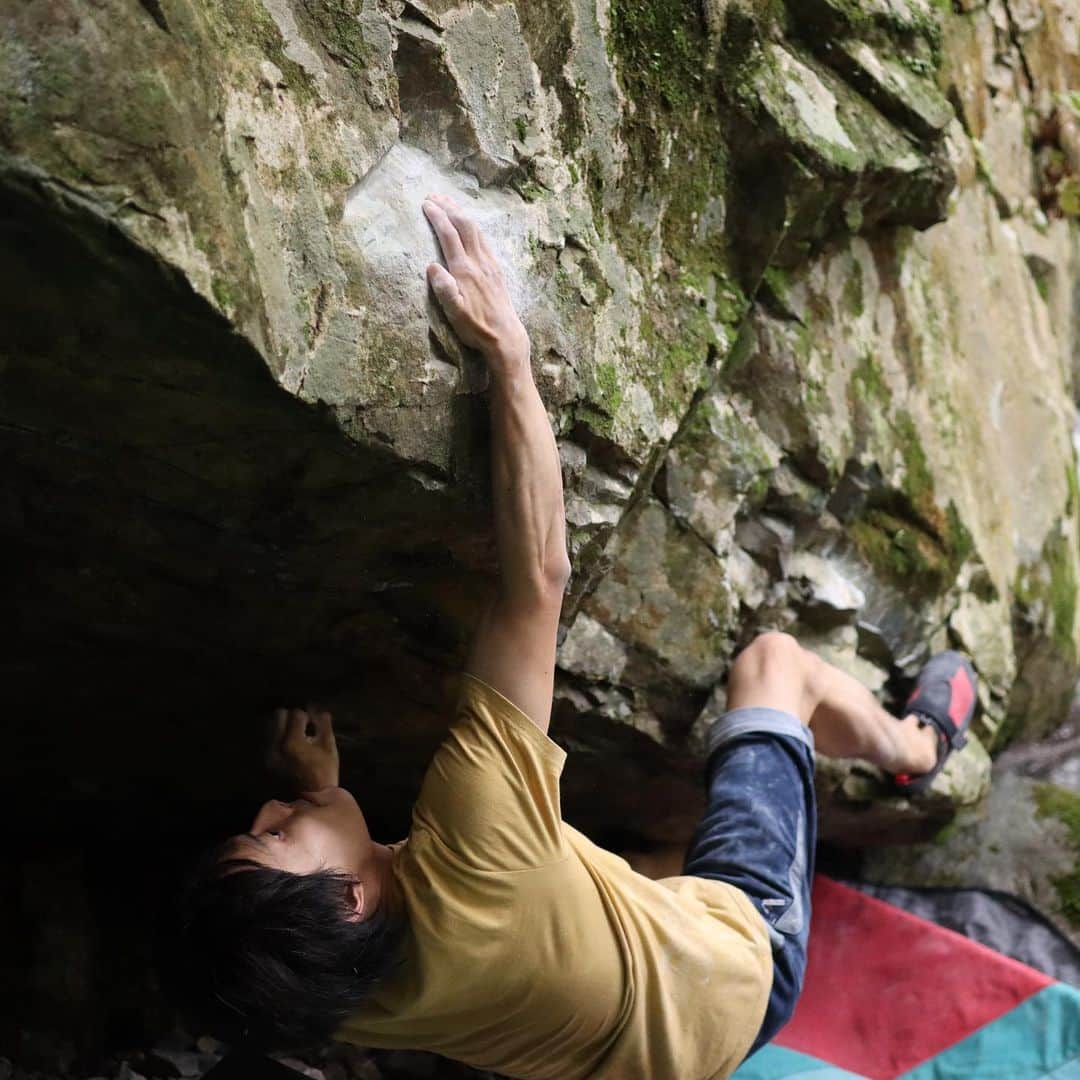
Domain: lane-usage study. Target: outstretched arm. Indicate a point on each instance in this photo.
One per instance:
(514, 647)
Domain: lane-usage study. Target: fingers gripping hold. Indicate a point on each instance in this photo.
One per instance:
(302, 727)
(324, 731)
(445, 286)
(302, 748)
(471, 288)
(466, 227)
(450, 239)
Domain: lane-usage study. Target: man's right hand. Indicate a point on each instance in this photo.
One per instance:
(302, 750)
(471, 289)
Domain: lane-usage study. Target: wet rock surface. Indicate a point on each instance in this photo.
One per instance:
(800, 284)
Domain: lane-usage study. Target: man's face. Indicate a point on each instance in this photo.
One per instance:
(321, 830)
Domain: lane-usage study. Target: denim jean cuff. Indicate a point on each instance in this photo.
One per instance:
(755, 720)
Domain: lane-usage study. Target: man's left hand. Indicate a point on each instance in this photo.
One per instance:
(302, 750)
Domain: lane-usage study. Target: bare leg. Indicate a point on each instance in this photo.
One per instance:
(776, 672)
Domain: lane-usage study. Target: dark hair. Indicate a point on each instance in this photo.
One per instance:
(267, 958)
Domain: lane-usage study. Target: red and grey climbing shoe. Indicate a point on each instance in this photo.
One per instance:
(944, 697)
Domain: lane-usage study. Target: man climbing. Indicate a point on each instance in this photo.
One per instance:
(496, 934)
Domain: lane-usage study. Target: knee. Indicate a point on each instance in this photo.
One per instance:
(771, 654)
(776, 671)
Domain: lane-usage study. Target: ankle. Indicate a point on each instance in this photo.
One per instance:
(921, 745)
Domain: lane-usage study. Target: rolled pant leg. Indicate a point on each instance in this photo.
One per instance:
(759, 833)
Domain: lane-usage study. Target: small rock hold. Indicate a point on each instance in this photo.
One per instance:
(302, 1068)
(126, 1072)
(174, 1040)
(825, 588)
(368, 1070)
(178, 1063)
(271, 75)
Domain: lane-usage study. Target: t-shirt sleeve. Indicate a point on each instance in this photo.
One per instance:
(491, 793)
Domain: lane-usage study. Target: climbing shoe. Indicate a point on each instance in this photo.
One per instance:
(944, 697)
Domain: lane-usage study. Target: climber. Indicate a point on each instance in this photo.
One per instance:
(496, 933)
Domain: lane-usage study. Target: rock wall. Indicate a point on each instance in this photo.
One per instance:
(801, 285)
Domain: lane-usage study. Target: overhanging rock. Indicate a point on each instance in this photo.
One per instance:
(800, 288)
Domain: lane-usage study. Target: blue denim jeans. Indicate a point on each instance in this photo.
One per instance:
(759, 833)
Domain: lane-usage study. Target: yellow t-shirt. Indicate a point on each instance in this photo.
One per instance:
(533, 952)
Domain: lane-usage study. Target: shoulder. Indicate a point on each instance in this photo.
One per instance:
(491, 792)
(483, 706)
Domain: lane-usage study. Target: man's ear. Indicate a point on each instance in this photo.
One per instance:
(355, 902)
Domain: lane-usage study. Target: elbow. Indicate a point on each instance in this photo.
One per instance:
(544, 588)
(557, 573)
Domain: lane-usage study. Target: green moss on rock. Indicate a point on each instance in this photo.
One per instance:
(904, 548)
(868, 381)
(661, 47)
(901, 551)
(1051, 585)
(958, 540)
(1072, 506)
(338, 22)
(1068, 196)
(245, 29)
(223, 293)
(853, 291)
(607, 381)
(1064, 805)
(918, 479)
(777, 280)
(596, 420)
(677, 352)
(677, 133)
(1063, 604)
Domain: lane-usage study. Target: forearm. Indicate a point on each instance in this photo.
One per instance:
(530, 530)
(530, 519)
